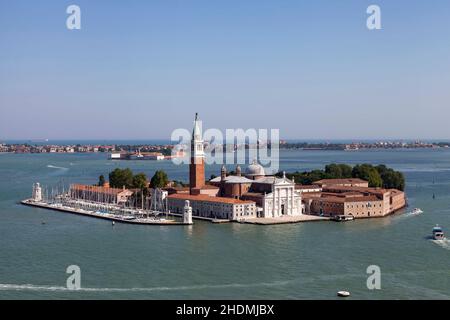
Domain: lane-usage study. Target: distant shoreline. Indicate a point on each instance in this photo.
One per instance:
(166, 149)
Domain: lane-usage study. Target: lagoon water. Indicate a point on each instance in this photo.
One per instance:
(222, 261)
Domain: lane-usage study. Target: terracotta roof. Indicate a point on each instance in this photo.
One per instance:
(308, 195)
(206, 198)
(97, 189)
(253, 194)
(340, 181)
(209, 186)
(177, 188)
(311, 186)
(379, 191)
(232, 179)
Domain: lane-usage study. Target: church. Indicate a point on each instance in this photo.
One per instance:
(244, 195)
(274, 197)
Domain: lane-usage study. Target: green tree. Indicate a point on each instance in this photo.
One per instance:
(101, 181)
(369, 173)
(120, 178)
(346, 170)
(391, 178)
(159, 179)
(333, 171)
(140, 181)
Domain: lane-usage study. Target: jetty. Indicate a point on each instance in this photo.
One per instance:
(107, 204)
(130, 219)
(212, 220)
(285, 219)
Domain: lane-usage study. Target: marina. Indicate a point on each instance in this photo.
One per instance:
(130, 219)
(107, 203)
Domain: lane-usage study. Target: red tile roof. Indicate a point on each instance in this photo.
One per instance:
(97, 189)
(206, 198)
(340, 181)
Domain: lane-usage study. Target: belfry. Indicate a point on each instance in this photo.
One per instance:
(197, 165)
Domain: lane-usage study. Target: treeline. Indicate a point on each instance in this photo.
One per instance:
(119, 178)
(377, 176)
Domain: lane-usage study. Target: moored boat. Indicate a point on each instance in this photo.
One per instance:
(341, 218)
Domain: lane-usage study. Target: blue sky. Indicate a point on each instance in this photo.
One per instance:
(139, 69)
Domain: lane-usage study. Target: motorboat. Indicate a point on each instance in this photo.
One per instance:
(438, 234)
(342, 218)
(343, 294)
(417, 211)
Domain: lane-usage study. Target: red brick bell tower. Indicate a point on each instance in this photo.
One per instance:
(197, 166)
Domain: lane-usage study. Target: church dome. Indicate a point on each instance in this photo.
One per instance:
(255, 169)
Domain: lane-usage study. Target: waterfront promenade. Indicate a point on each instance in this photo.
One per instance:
(285, 219)
(160, 221)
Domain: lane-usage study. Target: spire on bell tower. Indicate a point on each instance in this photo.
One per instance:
(197, 166)
(197, 141)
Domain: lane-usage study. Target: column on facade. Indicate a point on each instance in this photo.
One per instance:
(293, 199)
(273, 201)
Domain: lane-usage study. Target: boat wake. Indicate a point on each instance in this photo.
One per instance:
(405, 215)
(55, 167)
(31, 287)
(412, 214)
(444, 243)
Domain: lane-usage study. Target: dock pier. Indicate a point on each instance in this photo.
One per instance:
(104, 216)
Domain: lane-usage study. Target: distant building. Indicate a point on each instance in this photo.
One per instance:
(117, 155)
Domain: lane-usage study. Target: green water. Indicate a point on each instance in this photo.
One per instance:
(225, 261)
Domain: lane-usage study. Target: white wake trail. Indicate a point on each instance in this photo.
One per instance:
(31, 287)
(445, 243)
(55, 167)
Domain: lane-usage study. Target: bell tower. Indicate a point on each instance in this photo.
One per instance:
(197, 166)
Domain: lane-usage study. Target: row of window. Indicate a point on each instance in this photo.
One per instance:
(368, 205)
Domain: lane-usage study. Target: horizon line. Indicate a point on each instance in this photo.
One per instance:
(168, 139)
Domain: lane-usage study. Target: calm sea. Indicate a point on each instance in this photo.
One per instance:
(225, 261)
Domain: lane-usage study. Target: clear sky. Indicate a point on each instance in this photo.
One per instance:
(139, 69)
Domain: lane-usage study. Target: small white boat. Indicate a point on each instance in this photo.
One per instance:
(341, 218)
(343, 294)
(417, 211)
(438, 234)
(128, 217)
